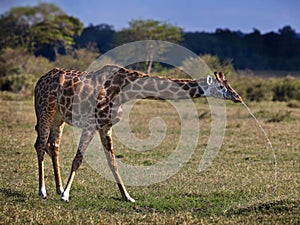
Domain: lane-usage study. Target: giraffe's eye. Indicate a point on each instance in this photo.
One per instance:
(209, 80)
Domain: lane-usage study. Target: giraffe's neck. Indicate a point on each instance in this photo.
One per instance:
(135, 85)
(191, 88)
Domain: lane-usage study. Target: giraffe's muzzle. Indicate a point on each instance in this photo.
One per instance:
(238, 99)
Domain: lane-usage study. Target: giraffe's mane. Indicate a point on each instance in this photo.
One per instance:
(141, 74)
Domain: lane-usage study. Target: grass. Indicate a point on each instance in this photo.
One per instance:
(236, 189)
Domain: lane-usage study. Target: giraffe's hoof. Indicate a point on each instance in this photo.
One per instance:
(64, 197)
(43, 195)
(129, 199)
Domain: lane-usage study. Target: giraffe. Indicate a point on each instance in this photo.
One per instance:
(92, 101)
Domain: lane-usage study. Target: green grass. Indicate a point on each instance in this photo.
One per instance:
(236, 189)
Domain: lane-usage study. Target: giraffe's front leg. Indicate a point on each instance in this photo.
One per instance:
(113, 166)
(85, 139)
(106, 138)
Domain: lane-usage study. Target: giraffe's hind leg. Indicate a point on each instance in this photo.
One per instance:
(43, 130)
(53, 150)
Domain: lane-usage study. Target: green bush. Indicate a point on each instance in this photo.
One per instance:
(19, 61)
(18, 83)
(287, 89)
(76, 59)
(252, 88)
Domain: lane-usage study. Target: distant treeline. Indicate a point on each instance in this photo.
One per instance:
(256, 51)
(46, 30)
(271, 51)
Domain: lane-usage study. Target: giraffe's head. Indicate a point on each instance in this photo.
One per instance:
(220, 88)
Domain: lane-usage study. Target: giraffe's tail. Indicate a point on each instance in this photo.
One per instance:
(61, 80)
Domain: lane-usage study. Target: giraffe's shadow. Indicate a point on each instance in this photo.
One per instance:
(13, 194)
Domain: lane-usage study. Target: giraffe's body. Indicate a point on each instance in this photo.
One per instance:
(92, 101)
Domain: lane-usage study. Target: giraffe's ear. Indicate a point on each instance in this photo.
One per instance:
(222, 76)
(217, 76)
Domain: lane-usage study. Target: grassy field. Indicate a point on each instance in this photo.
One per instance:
(236, 189)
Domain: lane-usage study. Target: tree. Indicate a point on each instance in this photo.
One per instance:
(140, 30)
(96, 36)
(57, 32)
(44, 26)
(287, 31)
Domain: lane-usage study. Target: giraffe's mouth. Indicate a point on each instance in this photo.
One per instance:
(238, 99)
(233, 96)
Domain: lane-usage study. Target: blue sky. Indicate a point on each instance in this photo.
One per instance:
(191, 15)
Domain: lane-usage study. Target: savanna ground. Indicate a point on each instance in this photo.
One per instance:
(236, 189)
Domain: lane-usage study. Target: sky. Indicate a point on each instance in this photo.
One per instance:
(191, 15)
